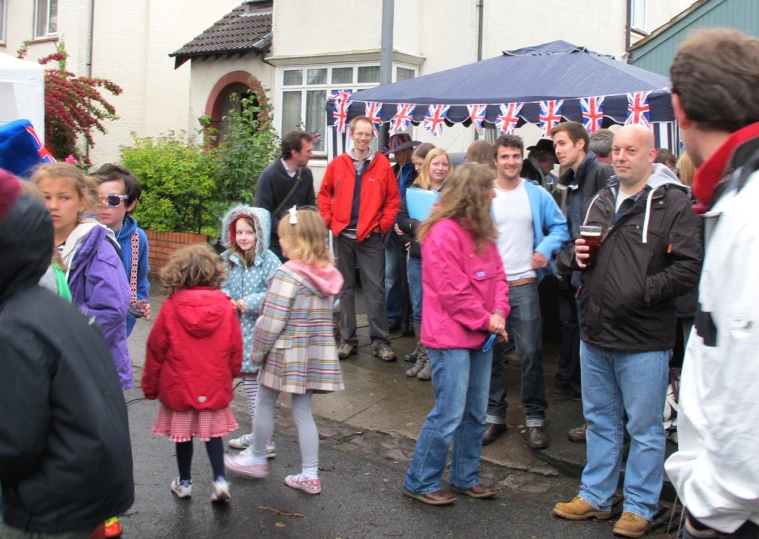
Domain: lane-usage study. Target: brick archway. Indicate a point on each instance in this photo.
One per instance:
(218, 96)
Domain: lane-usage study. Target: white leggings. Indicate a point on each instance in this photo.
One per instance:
(308, 436)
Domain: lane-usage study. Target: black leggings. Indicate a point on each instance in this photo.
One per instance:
(215, 450)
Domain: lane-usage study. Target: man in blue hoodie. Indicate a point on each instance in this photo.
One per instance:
(119, 192)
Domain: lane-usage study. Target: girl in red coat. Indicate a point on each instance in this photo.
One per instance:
(194, 352)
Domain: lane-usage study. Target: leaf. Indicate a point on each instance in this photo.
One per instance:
(279, 525)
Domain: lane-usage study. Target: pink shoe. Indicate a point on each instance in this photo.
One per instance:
(312, 486)
(243, 465)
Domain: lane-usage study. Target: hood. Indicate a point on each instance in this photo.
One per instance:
(262, 220)
(324, 281)
(128, 228)
(80, 245)
(199, 310)
(26, 244)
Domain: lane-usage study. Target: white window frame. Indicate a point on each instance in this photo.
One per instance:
(328, 88)
(3, 20)
(638, 17)
(47, 32)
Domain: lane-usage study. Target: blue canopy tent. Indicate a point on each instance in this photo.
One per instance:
(552, 71)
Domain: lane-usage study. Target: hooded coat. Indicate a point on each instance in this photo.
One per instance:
(99, 287)
(650, 256)
(293, 340)
(65, 451)
(248, 283)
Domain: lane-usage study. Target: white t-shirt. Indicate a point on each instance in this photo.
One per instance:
(516, 235)
(622, 196)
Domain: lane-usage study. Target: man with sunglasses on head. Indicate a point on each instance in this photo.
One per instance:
(119, 192)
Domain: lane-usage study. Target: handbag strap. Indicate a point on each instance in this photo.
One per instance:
(288, 196)
(135, 244)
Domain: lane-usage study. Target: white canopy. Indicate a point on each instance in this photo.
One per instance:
(22, 92)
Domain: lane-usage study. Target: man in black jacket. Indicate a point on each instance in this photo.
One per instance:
(65, 452)
(649, 255)
(287, 182)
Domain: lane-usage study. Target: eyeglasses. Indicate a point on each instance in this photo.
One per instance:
(113, 201)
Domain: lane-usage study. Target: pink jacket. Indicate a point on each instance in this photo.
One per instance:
(461, 289)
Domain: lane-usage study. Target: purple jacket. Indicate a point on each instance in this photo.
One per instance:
(99, 288)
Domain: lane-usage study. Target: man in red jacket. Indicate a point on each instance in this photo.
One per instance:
(358, 201)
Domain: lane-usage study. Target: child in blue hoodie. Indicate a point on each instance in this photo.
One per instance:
(119, 192)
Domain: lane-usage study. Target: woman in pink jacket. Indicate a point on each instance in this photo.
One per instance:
(465, 299)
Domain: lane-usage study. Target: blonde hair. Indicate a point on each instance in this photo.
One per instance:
(424, 179)
(306, 239)
(193, 266)
(32, 191)
(687, 169)
(466, 199)
(86, 188)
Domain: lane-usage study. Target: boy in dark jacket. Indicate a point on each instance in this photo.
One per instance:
(65, 452)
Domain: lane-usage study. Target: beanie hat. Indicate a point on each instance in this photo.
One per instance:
(10, 189)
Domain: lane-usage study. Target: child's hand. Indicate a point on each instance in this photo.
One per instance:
(234, 303)
(143, 306)
(241, 305)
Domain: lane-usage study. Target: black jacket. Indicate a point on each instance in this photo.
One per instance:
(65, 453)
(651, 255)
(409, 227)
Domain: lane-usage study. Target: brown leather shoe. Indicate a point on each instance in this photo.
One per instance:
(480, 492)
(439, 497)
(537, 437)
(512, 359)
(577, 434)
(492, 432)
(579, 509)
(630, 525)
(385, 353)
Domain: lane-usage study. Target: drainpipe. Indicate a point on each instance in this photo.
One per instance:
(89, 61)
(628, 29)
(386, 57)
(481, 15)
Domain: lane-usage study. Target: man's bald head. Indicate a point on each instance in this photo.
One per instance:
(633, 155)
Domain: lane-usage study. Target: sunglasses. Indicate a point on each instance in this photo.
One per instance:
(113, 201)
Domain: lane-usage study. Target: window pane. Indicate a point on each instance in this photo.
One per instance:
(639, 14)
(293, 77)
(41, 29)
(316, 115)
(291, 118)
(368, 74)
(403, 73)
(2, 21)
(317, 76)
(53, 23)
(342, 75)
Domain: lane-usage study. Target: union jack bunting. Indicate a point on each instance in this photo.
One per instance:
(435, 119)
(373, 112)
(340, 114)
(638, 109)
(592, 113)
(550, 115)
(508, 118)
(317, 135)
(477, 115)
(403, 117)
(43, 152)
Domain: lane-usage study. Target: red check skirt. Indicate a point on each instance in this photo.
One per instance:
(202, 424)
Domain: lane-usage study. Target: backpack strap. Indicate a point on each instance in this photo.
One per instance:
(135, 242)
(288, 196)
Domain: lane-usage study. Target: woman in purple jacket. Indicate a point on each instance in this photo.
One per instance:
(90, 253)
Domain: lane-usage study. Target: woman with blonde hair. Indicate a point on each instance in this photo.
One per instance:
(465, 300)
(687, 169)
(432, 175)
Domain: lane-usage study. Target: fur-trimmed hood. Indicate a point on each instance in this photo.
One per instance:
(262, 220)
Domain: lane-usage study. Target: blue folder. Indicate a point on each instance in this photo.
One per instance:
(419, 202)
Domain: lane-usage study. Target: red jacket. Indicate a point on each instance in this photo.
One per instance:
(380, 199)
(194, 351)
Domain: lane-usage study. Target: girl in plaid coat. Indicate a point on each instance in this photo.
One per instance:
(294, 345)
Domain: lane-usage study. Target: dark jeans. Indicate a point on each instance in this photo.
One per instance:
(8, 532)
(568, 375)
(525, 331)
(748, 531)
(370, 255)
(415, 288)
(395, 266)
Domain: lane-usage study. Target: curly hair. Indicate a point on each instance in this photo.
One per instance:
(193, 266)
(306, 240)
(466, 199)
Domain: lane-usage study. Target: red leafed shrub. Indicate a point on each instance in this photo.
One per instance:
(74, 106)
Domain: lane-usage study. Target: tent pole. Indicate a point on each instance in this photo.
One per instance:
(89, 62)
(481, 16)
(386, 56)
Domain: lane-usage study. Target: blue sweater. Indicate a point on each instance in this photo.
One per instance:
(124, 237)
(549, 224)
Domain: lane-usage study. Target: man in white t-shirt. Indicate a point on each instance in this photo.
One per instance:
(531, 230)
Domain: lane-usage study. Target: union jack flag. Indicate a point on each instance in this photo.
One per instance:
(638, 109)
(477, 115)
(508, 118)
(43, 152)
(373, 112)
(435, 119)
(317, 135)
(340, 114)
(403, 117)
(592, 113)
(550, 115)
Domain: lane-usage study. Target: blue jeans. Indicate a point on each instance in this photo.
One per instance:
(460, 379)
(616, 383)
(395, 254)
(415, 287)
(525, 331)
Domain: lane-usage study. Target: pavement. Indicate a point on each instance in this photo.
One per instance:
(367, 436)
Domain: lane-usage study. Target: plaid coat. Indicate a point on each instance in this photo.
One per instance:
(293, 340)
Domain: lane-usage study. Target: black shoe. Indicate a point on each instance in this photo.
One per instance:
(576, 398)
(537, 437)
(492, 432)
(393, 325)
(560, 389)
(412, 357)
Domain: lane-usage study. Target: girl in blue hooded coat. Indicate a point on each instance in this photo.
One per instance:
(249, 264)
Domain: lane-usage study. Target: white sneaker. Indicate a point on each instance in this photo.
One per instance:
(271, 450)
(220, 491)
(183, 489)
(243, 442)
